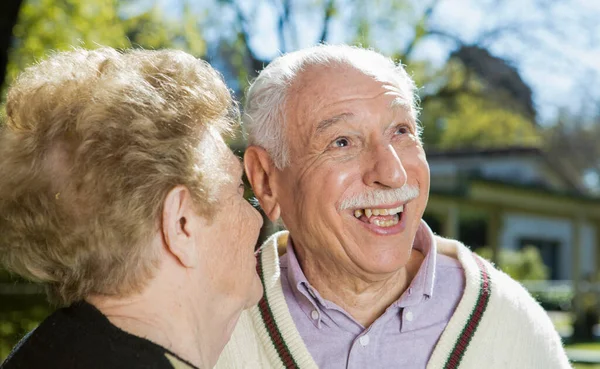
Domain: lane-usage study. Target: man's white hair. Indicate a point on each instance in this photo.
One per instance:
(264, 112)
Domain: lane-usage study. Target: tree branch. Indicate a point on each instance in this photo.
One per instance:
(420, 31)
(329, 11)
(284, 17)
(256, 64)
(9, 14)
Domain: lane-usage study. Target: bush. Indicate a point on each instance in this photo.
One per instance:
(19, 314)
(22, 308)
(523, 265)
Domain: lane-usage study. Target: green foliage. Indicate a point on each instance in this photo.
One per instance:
(46, 25)
(62, 24)
(23, 307)
(523, 265)
(363, 34)
(19, 314)
(463, 113)
(369, 19)
(151, 30)
(475, 122)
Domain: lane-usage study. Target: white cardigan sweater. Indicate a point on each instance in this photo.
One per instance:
(497, 324)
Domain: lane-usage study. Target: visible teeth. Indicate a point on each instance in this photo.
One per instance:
(397, 210)
(369, 212)
(385, 223)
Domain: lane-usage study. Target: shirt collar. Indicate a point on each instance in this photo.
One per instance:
(420, 288)
(422, 284)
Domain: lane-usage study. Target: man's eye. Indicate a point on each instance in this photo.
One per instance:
(402, 130)
(241, 188)
(341, 142)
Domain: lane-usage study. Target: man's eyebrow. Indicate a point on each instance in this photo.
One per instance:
(326, 123)
(401, 107)
(400, 103)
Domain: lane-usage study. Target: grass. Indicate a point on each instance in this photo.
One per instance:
(593, 346)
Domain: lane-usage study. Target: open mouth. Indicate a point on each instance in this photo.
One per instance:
(380, 217)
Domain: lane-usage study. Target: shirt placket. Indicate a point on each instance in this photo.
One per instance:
(361, 350)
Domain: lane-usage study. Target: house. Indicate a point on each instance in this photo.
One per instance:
(513, 197)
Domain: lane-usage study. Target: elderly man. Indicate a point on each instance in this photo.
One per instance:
(360, 281)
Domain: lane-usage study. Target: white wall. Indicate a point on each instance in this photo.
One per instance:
(517, 226)
(588, 249)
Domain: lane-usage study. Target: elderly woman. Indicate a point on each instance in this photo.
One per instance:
(119, 194)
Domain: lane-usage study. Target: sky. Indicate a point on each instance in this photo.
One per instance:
(555, 44)
(561, 62)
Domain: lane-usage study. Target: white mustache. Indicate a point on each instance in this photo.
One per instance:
(380, 197)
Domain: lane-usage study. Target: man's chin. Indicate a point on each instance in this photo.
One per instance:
(383, 256)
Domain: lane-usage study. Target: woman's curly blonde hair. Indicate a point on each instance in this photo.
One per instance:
(93, 142)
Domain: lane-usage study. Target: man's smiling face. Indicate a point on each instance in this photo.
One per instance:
(358, 181)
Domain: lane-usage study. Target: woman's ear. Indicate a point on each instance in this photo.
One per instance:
(260, 171)
(178, 229)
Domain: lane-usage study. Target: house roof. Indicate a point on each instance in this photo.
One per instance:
(486, 152)
(557, 165)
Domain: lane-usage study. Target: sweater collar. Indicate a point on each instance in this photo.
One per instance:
(285, 347)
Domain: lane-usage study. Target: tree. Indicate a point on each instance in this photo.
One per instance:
(46, 25)
(402, 28)
(573, 142)
(62, 24)
(476, 108)
(9, 11)
(248, 62)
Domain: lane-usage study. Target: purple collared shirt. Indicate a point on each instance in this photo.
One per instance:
(403, 337)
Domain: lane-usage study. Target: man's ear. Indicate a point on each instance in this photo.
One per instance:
(261, 173)
(177, 217)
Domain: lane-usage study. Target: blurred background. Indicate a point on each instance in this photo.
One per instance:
(510, 109)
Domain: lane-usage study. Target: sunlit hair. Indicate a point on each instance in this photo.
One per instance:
(92, 144)
(379, 197)
(264, 111)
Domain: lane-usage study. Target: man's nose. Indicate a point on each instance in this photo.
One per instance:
(385, 168)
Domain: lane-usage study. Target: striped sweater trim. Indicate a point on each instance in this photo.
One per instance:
(462, 343)
(285, 348)
(271, 317)
(269, 320)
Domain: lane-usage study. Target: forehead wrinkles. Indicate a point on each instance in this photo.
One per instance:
(312, 98)
(299, 107)
(400, 101)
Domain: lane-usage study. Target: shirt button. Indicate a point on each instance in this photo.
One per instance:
(364, 340)
(409, 316)
(314, 314)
